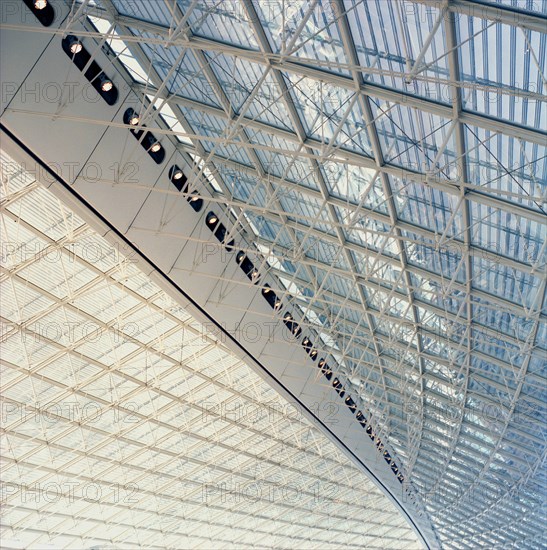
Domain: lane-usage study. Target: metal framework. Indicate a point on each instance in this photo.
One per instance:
(389, 162)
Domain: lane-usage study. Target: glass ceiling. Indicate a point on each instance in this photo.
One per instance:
(390, 160)
(126, 425)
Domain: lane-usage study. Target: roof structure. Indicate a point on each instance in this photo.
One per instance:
(389, 161)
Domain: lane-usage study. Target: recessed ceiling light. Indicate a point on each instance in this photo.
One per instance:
(107, 85)
(76, 47)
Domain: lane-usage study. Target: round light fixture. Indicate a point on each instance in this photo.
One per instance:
(134, 120)
(156, 147)
(107, 85)
(177, 175)
(76, 47)
(40, 4)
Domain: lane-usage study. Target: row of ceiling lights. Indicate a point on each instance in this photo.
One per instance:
(246, 265)
(79, 55)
